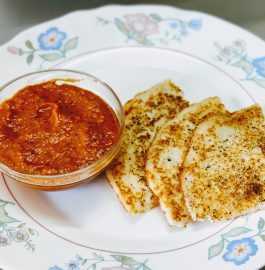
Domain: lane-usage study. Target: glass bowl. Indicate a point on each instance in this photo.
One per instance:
(87, 82)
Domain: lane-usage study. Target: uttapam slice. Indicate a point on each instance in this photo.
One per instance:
(224, 171)
(144, 115)
(167, 153)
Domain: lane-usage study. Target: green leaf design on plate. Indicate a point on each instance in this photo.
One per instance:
(78, 257)
(146, 267)
(125, 259)
(84, 262)
(103, 21)
(237, 231)
(155, 17)
(29, 44)
(144, 41)
(216, 249)
(6, 202)
(30, 58)
(119, 258)
(31, 231)
(245, 65)
(70, 44)
(51, 56)
(129, 261)
(260, 82)
(262, 236)
(21, 225)
(216, 45)
(4, 217)
(261, 224)
(121, 26)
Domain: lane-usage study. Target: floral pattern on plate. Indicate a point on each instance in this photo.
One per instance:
(240, 250)
(235, 55)
(53, 45)
(114, 262)
(153, 29)
(10, 234)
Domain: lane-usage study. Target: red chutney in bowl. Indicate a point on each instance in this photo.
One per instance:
(50, 129)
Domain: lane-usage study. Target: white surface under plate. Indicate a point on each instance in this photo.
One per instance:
(86, 227)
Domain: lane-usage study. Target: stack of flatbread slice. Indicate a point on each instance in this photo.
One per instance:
(198, 162)
(166, 156)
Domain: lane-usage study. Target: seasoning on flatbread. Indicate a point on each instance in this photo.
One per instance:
(167, 153)
(224, 171)
(144, 115)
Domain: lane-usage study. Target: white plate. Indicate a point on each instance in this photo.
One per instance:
(64, 229)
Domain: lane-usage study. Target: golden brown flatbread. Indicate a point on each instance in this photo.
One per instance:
(167, 153)
(144, 115)
(224, 171)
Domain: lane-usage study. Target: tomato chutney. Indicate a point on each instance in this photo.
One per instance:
(52, 128)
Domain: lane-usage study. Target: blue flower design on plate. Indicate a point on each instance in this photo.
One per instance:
(55, 267)
(239, 251)
(73, 265)
(174, 24)
(259, 64)
(195, 24)
(52, 39)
